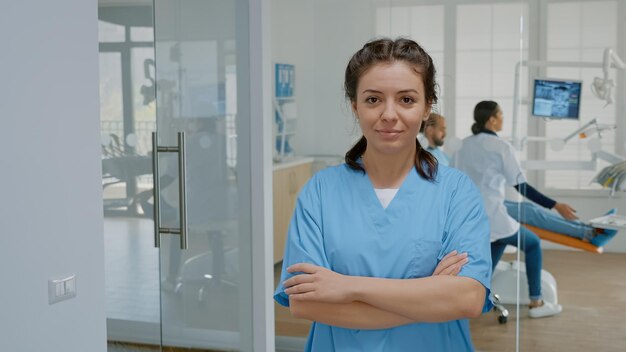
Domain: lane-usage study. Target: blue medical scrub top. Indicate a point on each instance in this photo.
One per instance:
(340, 224)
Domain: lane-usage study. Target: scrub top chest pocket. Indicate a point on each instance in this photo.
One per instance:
(398, 253)
(425, 254)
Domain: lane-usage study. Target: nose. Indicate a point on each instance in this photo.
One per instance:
(389, 114)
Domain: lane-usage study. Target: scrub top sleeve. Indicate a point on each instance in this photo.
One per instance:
(512, 169)
(467, 230)
(304, 237)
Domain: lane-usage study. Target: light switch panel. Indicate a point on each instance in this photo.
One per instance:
(61, 289)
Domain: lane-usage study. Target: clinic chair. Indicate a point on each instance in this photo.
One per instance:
(564, 240)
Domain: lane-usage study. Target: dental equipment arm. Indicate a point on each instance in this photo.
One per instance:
(601, 87)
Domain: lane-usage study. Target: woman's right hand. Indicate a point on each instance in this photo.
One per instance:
(451, 264)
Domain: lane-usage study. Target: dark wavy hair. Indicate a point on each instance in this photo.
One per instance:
(386, 51)
(482, 112)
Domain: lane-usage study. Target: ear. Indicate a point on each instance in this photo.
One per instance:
(429, 109)
(353, 105)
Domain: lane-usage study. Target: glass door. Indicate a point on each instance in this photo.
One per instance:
(175, 113)
(203, 190)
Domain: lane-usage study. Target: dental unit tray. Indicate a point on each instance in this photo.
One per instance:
(613, 222)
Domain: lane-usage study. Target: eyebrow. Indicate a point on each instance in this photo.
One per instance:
(399, 92)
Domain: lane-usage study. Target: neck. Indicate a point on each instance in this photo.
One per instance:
(488, 130)
(388, 171)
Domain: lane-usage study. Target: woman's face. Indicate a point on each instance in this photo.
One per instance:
(497, 120)
(390, 106)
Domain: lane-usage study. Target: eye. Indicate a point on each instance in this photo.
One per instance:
(372, 100)
(408, 100)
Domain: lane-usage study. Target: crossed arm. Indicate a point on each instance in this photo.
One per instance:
(356, 302)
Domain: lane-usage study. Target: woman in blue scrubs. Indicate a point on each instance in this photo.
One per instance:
(367, 240)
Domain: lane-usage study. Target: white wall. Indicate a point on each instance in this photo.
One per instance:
(319, 37)
(51, 209)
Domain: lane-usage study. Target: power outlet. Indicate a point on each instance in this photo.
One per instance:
(61, 289)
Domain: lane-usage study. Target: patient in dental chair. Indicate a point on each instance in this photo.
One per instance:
(564, 222)
(492, 164)
(532, 214)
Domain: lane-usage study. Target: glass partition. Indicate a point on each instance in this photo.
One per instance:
(556, 71)
(475, 46)
(574, 137)
(203, 92)
(179, 68)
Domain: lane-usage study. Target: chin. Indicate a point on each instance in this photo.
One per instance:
(391, 148)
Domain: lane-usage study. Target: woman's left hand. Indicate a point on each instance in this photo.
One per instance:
(317, 284)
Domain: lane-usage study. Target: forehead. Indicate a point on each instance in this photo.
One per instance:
(397, 75)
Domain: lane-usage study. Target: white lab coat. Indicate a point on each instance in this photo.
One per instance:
(492, 164)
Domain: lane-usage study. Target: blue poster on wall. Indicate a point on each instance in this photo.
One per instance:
(285, 79)
(284, 94)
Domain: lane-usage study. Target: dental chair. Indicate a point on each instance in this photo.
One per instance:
(564, 240)
(504, 278)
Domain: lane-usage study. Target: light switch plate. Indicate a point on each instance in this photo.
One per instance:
(61, 289)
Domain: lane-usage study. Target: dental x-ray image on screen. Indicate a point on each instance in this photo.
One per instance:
(556, 99)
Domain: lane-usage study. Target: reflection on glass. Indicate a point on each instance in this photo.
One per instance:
(110, 90)
(131, 140)
(206, 287)
(110, 32)
(142, 34)
(131, 261)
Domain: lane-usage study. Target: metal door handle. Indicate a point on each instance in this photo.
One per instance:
(156, 194)
(182, 190)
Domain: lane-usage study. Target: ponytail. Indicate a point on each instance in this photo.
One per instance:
(475, 128)
(425, 163)
(355, 153)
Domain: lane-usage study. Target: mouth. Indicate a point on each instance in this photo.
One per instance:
(388, 132)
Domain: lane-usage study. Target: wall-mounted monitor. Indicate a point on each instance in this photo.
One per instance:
(556, 99)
